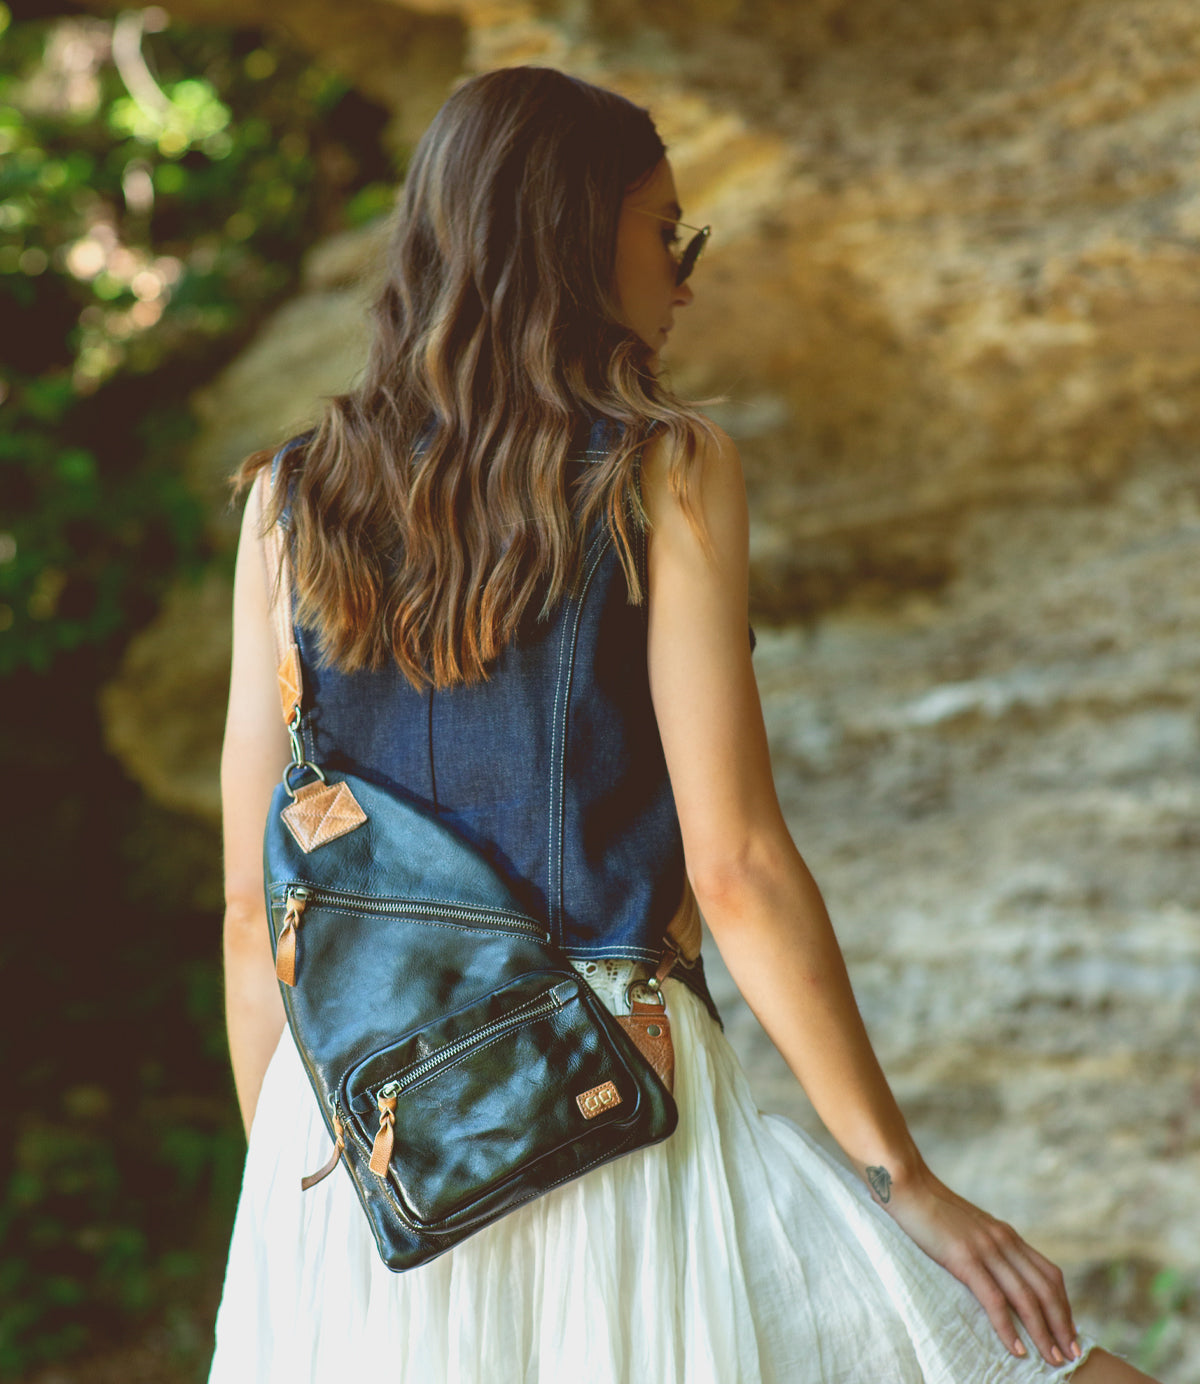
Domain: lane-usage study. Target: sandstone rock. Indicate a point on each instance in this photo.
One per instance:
(164, 714)
(312, 346)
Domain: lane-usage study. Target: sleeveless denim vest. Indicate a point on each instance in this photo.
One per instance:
(553, 768)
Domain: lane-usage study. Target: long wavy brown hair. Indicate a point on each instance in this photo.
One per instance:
(429, 507)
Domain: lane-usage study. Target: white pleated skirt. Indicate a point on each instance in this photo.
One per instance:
(734, 1252)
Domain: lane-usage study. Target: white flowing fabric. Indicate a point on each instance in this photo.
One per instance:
(734, 1252)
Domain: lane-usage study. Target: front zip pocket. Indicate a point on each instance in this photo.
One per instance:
(453, 1111)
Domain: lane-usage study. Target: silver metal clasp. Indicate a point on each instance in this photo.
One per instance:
(294, 736)
(651, 984)
(298, 760)
(301, 764)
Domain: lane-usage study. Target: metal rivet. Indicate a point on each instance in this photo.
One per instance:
(653, 1030)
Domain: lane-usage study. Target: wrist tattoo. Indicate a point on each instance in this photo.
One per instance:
(881, 1183)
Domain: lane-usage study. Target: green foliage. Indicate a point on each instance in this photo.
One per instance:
(1176, 1299)
(156, 191)
(190, 114)
(120, 1174)
(158, 186)
(376, 199)
(1145, 1311)
(99, 1193)
(73, 557)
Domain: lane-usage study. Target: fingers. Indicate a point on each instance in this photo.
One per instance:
(1008, 1276)
(1034, 1287)
(1040, 1297)
(995, 1303)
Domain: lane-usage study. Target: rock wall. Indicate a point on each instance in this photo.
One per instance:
(950, 297)
(998, 792)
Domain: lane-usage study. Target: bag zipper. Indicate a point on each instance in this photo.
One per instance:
(545, 1003)
(495, 918)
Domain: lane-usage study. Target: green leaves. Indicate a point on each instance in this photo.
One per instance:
(76, 535)
(156, 193)
(189, 114)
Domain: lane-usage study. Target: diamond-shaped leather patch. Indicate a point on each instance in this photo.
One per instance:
(322, 812)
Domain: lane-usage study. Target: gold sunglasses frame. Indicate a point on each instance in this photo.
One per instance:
(699, 240)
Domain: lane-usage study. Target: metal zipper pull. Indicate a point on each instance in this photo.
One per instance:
(285, 948)
(381, 1149)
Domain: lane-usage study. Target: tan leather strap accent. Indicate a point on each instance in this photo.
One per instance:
(285, 946)
(285, 953)
(381, 1149)
(279, 593)
(323, 1172)
(669, 957)
(648, 1024)
(650, 1029)
(685, 927)
(291, 689)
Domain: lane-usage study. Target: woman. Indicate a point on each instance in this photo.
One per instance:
(510, 425)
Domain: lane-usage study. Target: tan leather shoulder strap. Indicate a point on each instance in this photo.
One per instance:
(279, 589)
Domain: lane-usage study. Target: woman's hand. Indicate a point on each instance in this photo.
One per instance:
(1003, 1272)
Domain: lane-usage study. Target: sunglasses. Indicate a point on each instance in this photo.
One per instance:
(691, 251)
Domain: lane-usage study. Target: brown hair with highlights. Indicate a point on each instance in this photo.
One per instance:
(496, 327)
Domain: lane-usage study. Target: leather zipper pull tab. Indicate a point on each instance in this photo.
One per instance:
(339, 1144)
(381, 1149)
(285, 947)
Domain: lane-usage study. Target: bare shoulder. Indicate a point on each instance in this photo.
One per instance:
(252, 537)
(717, 457)
(716, 487)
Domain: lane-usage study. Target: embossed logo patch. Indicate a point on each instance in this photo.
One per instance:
(598, 1100)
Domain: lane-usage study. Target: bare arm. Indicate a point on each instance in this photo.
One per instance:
(765, 910)
(252, 760)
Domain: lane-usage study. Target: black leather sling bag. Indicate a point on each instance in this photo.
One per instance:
(462, 1066)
